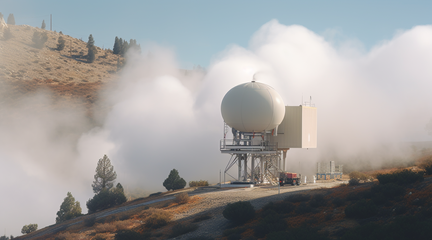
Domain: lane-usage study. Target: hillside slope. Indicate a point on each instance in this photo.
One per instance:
(25, 68)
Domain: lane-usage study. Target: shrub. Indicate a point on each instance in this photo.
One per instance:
(298, 198)
(401, 177)
(359, 176)
(158, 218)
(60, 43)
(180, 229)
(26, 229)
(199, 183)
(39, 39)
(353, 182)
(361, 209)
(239, 212)
(106, 199)
(182, 198)
(105, 227)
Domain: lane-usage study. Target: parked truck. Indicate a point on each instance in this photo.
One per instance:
(289, 178)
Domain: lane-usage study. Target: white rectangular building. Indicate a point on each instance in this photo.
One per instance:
(298, 128)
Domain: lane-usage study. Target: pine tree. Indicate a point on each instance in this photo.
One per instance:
(117, 47)
(105, 175)
(174, 181)
(11, 19)
(43, 24)
(91, 56)
(125, 48)
(69, 209)
(1, 15)
(61, 43)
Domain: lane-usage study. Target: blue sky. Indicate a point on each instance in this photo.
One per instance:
(198, 30)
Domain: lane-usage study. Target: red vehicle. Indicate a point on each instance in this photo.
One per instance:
(289, 178)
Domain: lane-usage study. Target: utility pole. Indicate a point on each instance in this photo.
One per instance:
(50, 22)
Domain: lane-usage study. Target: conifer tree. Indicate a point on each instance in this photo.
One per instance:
(91, 56)
(11, 19)
(43, 24)
(1, 15)
(69, 209)
(174, 181)
(117, 47)
(105, 175)
(60, 43)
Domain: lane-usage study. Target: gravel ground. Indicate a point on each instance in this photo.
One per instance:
(213, 202)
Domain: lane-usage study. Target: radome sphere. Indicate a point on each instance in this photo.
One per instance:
(252, 107)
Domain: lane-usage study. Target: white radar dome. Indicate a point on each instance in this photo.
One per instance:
(252, 107)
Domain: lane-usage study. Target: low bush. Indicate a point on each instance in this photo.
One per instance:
(239, 212)
(182, 198)
(26, 229)
(361, 209)
(199, 183)
(298, 198)
(401, 177)
(359, 176)
(106, 199)
(353, 182)
(180, 229)
(158, 218)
